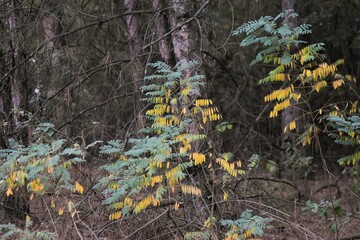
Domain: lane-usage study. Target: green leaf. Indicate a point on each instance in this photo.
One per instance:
(286, 59)
(338, 211)
(271, 166)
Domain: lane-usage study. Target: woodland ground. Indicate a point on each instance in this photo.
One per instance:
(280, 199)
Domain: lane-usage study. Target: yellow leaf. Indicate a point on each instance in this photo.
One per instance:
(182, 150)
(306, 140)
(280, 94)
(198, 158)
(350, 78)
(228, 167)
(143, 204)
(239, 163)
(183, 111)
(211, 221)
(52, 204)
(70, 206)
(191, 190)
(31, 196)
(292, 125)
(337, 83)
(79, 188)
(307, 73)
(115, 215)
(248, 233)
(354, 107)
(295, 96)
(352, 134)
(9, 192)
(61, 211)
(50, 169)
(318, 86)
(156, 179)
(226, 196)
(177, 205)
(204, 120)
(185, 91)
(36, 185)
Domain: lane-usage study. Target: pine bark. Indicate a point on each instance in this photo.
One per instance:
(16, 204)
(15, 75)
(291, 113)
(133, 25)
(161, 29)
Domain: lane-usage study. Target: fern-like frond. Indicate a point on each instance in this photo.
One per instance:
(252, 26)
(302, 29)
(188, 189)
(279, 77)
(350, 160)
(279, 94)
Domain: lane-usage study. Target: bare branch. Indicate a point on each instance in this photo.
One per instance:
(187, 21)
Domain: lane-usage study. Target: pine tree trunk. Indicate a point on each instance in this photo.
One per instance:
(15, 75)
(291, 113)
(161, 29)
(133, 25)
(16, 205)
(294, 112)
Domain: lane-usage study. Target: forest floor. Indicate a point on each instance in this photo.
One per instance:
(323, 207)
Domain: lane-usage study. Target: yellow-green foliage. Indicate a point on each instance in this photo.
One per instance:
(40, 167)
(247, 226)
(156, 166)
(301, 72)
(348, 134)
(318, 76)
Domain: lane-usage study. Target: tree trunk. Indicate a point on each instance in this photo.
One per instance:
(133, 24)
(15, 75)
(183, 46)
(16, 204)
(291, 113)
(180, 39)
(161, 28)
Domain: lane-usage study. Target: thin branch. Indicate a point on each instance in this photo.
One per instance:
(32, 54)
(296, 225)
(101, 22)
(355, 237)
(224, 67)
(147, 224)
(187, 21)
(95, 106)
